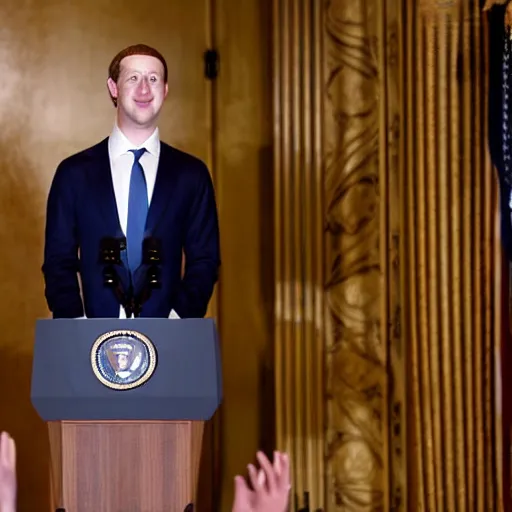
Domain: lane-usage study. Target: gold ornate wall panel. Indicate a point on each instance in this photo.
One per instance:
(361, 209)
(299, 302)
(387, 255)
(334, 240)
(449, 256)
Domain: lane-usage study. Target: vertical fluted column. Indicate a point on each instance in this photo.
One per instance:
(336, 111)
(299, 338)
(387, 255)
(451, 317)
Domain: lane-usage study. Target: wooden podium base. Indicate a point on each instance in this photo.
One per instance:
(125, 466)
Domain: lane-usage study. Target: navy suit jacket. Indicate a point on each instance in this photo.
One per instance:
(81, 210)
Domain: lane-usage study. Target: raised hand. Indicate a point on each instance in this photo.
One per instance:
(270, 486)
(8, 484)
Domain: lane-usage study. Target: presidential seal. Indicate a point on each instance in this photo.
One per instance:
(123, 359)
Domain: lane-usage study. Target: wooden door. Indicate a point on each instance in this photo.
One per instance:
(54, 58)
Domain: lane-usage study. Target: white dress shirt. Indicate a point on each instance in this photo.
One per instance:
(121, 162)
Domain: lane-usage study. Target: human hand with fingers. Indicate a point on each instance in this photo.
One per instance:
(270, 486)
(8, 484)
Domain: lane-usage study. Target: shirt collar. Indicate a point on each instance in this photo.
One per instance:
(118, 144)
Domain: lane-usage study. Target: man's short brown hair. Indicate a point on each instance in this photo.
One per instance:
(137, 49)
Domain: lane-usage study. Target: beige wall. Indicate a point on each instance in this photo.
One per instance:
(244, 187)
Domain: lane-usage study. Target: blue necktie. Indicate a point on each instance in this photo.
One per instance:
(137, 212)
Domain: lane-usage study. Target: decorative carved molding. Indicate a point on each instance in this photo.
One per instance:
(361, 118)
(391, 134)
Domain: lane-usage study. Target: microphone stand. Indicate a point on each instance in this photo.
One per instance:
(151, 256)
(152, 281)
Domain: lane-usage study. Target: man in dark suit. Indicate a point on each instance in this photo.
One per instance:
(128, 190)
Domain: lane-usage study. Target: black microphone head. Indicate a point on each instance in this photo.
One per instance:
(153, 277)
(151, 251)
(110, 250)
(109, 276)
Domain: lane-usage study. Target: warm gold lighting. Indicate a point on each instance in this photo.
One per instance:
(386, 201)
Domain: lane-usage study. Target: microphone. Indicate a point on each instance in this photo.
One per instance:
(110, 255)
(152, 251)
(152, 258)
(110, 250)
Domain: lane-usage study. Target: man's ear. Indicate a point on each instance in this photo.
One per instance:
(112, 87)
(166, 90)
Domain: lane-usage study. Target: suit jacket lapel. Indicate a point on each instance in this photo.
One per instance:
(104, 195)
(162, 190)
(101, 183)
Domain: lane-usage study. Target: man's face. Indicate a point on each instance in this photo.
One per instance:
(140, 90)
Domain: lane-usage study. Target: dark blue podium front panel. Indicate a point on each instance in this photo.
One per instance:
(186, 383)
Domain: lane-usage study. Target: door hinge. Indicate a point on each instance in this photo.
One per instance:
(211, 64)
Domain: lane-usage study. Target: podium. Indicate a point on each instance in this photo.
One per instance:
(125, 402)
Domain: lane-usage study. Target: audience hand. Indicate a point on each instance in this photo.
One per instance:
(8, 485)
(270, 486)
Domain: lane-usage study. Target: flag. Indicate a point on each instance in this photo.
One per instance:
(500, 112)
